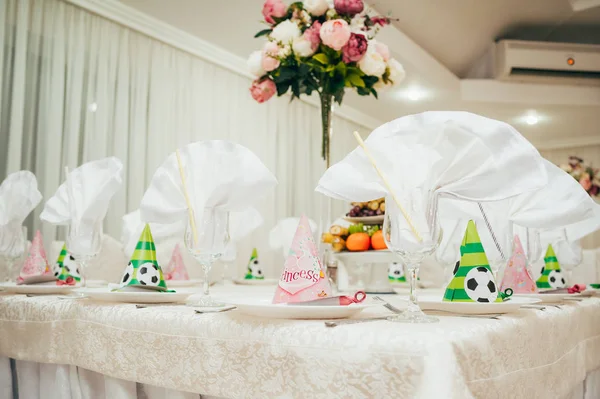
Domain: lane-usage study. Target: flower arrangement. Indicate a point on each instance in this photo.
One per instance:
(323, 46)
(588, 177)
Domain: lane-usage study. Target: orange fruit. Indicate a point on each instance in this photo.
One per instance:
(358, 242)
(377, 240)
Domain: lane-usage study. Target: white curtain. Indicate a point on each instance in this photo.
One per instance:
(76, 87)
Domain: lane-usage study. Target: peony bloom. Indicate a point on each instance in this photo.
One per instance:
(313, 35)
(302, 47)
(355, 49)
(255, 63)
(585, 181)
(262, 90)
(270, 54)
(381, 21)
(397, 73)
(372, 64)
(285, 32)
(316, 7)
(383, 50)
(335, 33)
(273, 8)
(348, 7)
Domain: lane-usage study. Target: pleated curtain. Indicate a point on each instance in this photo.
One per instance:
(76, 87)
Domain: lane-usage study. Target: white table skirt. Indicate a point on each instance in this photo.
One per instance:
(535, 354)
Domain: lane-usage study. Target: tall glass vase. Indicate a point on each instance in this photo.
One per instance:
(325, 218)
(326, 119)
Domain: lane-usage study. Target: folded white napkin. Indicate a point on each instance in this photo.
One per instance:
(240, 225)
(462, 154)
(86, 193)
(561, 202)
(19, 195)
(133, 226)
(219, 174)
(282, 235)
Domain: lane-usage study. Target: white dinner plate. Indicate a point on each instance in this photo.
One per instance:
(150, 296)
(512, 305)
(552, 298)
(365, 219)
(184, 283)
(264, 308)
(266, 281)
(37, 289)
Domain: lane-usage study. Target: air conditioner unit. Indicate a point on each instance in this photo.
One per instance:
(564, 63)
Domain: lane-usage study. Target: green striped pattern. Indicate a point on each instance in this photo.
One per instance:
(145, 252)
(249, 275)
(550, 263)
(64, 274)
(472, 256)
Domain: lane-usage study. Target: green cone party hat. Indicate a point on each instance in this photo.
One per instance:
(143, 269)
(473, 279)
(551, 274)
(66, 269)
(254, 271)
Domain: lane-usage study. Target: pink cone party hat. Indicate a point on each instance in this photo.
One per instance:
(176, 269)
(516, 274)
(36, 268)
(303, 278)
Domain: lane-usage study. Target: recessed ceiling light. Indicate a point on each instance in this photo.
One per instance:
(412, 94)
(532, 119)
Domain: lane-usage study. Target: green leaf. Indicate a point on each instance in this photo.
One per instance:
(340, 68)
(322, 58)
(370, 80)
(339, 96)
(263, 32)
(355, 80)
(282, 88)
(374, 92)
(296, 88)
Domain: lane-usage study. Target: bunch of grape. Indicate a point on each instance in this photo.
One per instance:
(371, 208)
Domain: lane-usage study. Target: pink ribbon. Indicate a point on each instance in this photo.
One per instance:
(577, 288)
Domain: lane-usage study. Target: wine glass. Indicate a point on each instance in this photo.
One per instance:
(497, 240)
(207, 242)
(532, 245)
(228, 261)
(412, 241)
(448, 253)
(13, 242)
(84, 242)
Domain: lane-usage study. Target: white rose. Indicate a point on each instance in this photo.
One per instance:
(255, 64)
(357, 24)
(285, 51)
(285, 32)
(316, 7)
(372, 64)
(397, 73)
(302, 47)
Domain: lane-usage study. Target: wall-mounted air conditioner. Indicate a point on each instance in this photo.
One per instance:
(565, 63)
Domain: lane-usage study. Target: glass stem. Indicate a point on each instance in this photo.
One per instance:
(82, 273)
(206, 283)
(413, 275)
(9, 268)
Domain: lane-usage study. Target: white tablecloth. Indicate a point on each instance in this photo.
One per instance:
(531, 354)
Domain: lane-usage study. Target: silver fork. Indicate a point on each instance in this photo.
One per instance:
(388, 305)
(394, 309)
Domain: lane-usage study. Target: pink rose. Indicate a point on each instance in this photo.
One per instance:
(312, 34)
(383, 50)
(263, 90)
(585, 182)
(270, 53)
(273, 8)
(348, 7)
(335, 33)
(355, 49)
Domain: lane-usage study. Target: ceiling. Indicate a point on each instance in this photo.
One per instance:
(436, 41)
(458, 32)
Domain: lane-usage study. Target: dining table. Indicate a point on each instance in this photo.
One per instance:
(56, 346)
